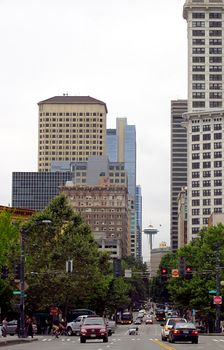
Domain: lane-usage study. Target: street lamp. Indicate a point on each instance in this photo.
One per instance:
(23, 233)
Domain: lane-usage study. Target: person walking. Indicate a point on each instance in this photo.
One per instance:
(4, 327)
(30, 327)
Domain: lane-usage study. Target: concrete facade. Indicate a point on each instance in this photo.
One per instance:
(70, 128)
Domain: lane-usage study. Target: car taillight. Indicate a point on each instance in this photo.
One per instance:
(194, 332)
(176, 331)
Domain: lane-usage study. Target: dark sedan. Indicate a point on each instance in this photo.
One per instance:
(183, 332)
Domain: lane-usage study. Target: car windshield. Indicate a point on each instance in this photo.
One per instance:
(93, 321)
(185, 325)
(172, 321)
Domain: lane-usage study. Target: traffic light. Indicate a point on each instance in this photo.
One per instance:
(17, 272)
(164, 272)
(182, 265)
(4, 272)
(188, 272)
(117, 267)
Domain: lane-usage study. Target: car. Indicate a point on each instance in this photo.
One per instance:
(94, 328)
(74, 326)
(169, 325)
(138, 320)
(111, 325)
(149, 320)
(12, 327)
(183, 332)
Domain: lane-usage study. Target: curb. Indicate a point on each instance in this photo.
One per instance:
(7, 342)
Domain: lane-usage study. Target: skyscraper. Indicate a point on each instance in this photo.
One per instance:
(204, 120)
(121, 147)
(70, 128)
(178, 165)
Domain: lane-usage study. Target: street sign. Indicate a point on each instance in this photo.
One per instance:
(128, 273)
(18, 285)
(217, 300)
(212, 291)
(175, 273)
(17, 292)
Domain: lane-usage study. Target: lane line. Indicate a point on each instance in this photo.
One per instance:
(162, 345)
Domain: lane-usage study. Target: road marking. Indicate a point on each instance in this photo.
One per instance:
(162, 345)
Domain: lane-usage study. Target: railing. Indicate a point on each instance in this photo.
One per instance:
(206, 2)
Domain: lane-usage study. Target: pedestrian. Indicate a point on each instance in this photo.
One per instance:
(30, 327)
(4, 327)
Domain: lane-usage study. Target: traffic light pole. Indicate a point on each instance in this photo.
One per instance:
(22, 331)
(217, 306)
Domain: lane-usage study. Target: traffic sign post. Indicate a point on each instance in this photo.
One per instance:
(217, 300)
(212, 291)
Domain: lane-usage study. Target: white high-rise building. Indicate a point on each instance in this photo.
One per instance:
(205, 117)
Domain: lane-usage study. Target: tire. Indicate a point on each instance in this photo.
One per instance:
(105, 339)
(69, 332)
(109, 333)
(195, 341)
(172, 340)
(82, 340)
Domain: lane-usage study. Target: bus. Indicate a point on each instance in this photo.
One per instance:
(126, 317)
(160, 315)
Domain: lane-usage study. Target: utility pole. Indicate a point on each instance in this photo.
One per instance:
(217, 306)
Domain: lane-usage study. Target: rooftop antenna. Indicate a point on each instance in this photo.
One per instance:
(65, 93)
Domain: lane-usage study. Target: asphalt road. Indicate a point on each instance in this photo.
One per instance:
(147, 339)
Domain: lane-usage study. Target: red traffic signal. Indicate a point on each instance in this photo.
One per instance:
(189, 269)
(164, 271)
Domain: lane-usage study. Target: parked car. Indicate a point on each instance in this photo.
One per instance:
(12, 327)
(183, 332)
(94, 328)
(74, 326)
(169, 325)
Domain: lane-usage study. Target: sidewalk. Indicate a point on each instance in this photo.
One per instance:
(15, 340)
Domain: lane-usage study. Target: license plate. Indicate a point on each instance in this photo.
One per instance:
(185, 332)
(92, 335)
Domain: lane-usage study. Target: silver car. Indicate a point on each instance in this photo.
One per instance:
(74, 326)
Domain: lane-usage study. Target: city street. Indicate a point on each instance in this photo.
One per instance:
(148, 338)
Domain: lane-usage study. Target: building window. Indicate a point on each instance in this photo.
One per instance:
(195, 128)
(198, 59)
(217, 201)
(195, 174)
(218, 192)
(218, 154)
(215, 32)
(195, 165)
(206, 146)
(217, 126)
(206, 201)
(215, 51)
(196, 147)
(215, 104)
(196, 77)
(206, 183)
(206, 173)
(196, 212)
(195, 156)
(206, 155)
(195, 193)
(205, 221)
(218, 136)
(198, 104)
(206, 193)
(206, 165)
(195, 184)
(218, 164)
(198, 51)
(206, 137)
(217, 173)
(213, 15)
(206, 127)
(198, 15)
(195, 221)
(196, 137)
(217, 145)
(218, 182)
(218, 210)
(195, 203)
(206, 211)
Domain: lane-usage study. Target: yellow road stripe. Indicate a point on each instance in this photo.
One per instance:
(164, 346)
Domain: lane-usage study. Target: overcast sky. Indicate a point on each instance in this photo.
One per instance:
(131, 54)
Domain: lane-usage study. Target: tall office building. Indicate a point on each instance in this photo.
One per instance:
(138, 206)
(205, 117)
(70, 128)
(178, 165)
(121, 147)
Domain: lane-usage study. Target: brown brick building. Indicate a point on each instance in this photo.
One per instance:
(105, 208)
